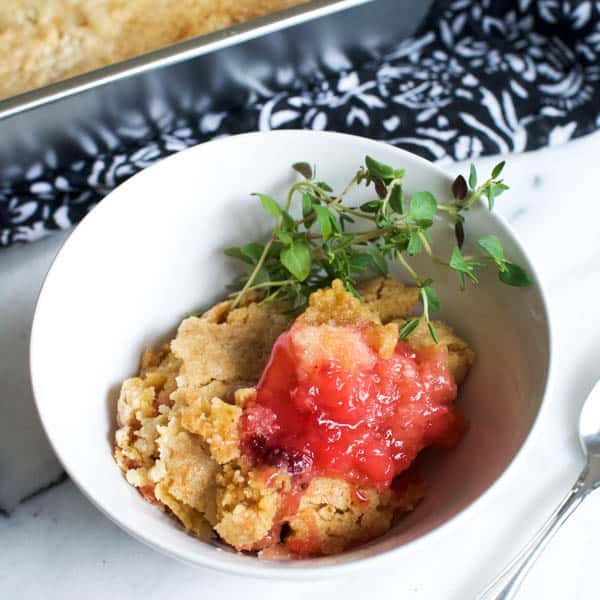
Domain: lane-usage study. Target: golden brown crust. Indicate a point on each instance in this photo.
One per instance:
(333, 515)
(217, 423)
(232, 349)
(383, 338)
(334, 306)
(43, 41)
(460, 356)
(193, 521)
(169, 466)
(189, 470)
(388, 297)
(248, 502)
(179, 443)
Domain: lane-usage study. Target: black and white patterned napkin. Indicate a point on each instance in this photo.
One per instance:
(479, 77)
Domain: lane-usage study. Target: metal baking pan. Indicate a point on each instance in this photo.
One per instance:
(70, 120)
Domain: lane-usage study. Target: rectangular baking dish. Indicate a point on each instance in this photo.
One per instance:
(75, 119)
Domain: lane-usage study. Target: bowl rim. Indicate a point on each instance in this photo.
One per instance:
(293, 570)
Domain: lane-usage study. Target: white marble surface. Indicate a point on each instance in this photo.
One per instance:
(56, 545)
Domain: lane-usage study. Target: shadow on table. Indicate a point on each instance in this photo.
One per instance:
(27, 463)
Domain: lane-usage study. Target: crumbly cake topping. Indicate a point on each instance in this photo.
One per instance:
(178, 440)
(43, 41)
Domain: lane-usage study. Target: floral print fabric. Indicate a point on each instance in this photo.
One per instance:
(479, 77)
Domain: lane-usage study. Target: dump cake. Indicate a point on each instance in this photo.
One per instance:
(292, 437)
(287, 420)
(43, 41)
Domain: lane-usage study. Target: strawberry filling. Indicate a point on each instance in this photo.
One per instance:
(328, 404)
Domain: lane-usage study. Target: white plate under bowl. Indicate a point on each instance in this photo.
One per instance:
(152, 251)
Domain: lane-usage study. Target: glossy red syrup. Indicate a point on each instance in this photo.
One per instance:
(328, 404)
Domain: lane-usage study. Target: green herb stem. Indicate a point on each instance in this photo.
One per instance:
(425, 303)
(347, 189)
(257, 268)
(425, 243)
(308, 253)
(263, 285)
(449, 208)
(354, 213)
(408, 268)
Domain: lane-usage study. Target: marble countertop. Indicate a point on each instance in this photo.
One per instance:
(55, 544)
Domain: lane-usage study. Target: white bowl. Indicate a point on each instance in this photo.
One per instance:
(152, 252)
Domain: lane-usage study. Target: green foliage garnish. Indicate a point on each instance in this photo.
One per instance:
(306, 253)
(422, 208)
(514, 275)
(463, 266)
(297, 259)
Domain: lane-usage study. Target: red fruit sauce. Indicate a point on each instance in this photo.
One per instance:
(328, 404)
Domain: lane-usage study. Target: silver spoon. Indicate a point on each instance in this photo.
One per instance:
(505, 586)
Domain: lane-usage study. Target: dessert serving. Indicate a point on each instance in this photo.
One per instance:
(286, 420)
(43, 41)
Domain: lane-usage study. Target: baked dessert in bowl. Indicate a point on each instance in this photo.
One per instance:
(152, 253)
(292, 438)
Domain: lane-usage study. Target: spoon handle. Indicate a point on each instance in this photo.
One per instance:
(505, 586)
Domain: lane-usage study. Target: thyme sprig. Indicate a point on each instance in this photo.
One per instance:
(331, 240)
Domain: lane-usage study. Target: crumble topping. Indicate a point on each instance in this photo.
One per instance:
(43, 41)
(178, 441)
